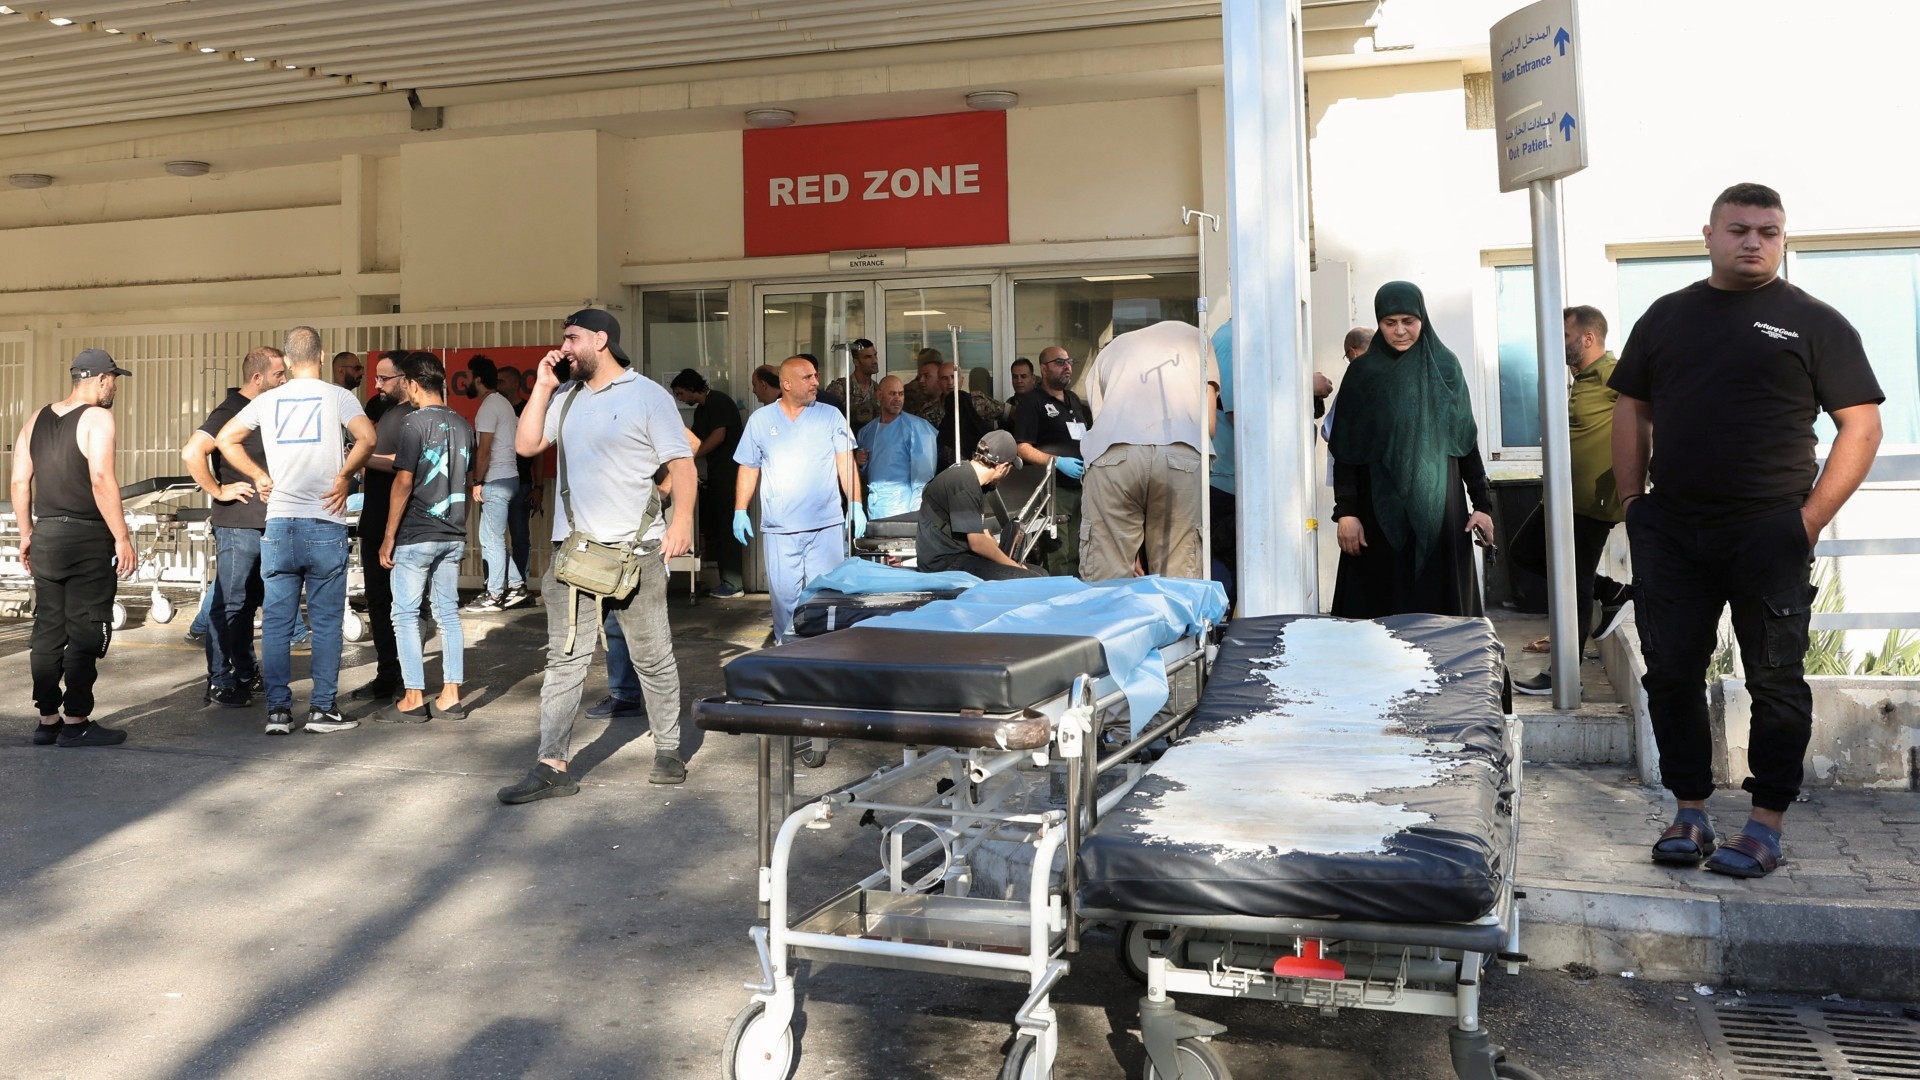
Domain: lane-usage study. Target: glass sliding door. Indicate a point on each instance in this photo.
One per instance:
(812, 320)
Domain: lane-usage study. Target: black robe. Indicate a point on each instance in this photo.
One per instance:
(1381, 580)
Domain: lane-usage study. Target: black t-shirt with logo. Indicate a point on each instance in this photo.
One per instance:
(717, 412)
(952, 506)
(1041, 422)
(437, 446)
(251, 514)
(1736, 380)
(376, 486)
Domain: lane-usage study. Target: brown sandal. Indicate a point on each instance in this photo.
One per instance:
(1539, 645)
(1743, 844)
(1700, 838)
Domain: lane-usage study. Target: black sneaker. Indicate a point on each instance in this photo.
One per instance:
(611, 706)
(257, 684)
(233, 697)
(1539, 685)
(515, 594)
(324, 721)
(377, 690)
(47, 734)
(484, 603)
(667, 769)
(543, 782)
(89, 734)
(196, 639)
(279, 721)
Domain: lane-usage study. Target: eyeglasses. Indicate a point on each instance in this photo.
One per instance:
(382, 380)
(1060, 361)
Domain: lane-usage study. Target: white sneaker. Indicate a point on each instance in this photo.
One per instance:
(322, 723)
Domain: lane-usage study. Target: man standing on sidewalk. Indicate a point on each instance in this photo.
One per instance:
(74, 541)
(390, 401)
(1596, 505)
(615, 429)
(239, 520)
(1049, 424)
(303, 425)
(495, 424)
(717, 424)
(1728, 374)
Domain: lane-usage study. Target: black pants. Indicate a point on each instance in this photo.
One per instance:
(73, 584)
(378, 588)
(1529, 550)
(1684, 573)
(716, 525)
(988, 570)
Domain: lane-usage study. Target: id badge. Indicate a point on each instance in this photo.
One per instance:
(1076, 430)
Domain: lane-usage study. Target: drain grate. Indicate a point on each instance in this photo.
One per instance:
(1761, 1040)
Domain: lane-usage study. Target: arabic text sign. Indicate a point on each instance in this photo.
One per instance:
(1538, 112)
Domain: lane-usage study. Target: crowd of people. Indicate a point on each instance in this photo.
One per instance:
(1731, 372)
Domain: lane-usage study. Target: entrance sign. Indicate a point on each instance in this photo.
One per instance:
(1537, 108)
(921, 181)
(869, 259)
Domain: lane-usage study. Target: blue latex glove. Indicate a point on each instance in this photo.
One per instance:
(742, 527)
(857, 517)
(1070, 467)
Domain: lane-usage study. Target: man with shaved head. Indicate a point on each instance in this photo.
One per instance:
(896, 454)
(806, 451)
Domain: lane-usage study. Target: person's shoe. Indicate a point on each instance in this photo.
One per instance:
(1612, 615)
(377, 690)
(47, 734)
(610, 706)
(257, 684)
(485, 602)
(667, 769)
(1539, 685)
(726, 590)
(233, 697)
(196, 639)
(543, 782)
(279, 721)
(515, 595)
(323, 722)
(89, 733)
(455, 711)
(394, 714)
(303, 643)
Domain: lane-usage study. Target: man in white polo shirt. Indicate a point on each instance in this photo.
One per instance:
(617, 430)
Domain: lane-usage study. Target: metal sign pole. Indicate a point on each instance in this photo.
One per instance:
(1204, 443)
(846, 406)
(953, 340)
(1549, 290)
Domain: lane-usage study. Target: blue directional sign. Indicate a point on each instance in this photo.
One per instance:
(1536, 93)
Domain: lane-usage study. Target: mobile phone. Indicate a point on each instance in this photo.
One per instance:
(563, 368)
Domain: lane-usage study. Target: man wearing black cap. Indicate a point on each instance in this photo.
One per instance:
(953, 514)
(615, 430)
(67, 448)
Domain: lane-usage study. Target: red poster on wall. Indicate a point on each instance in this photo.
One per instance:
(919, 181)
(463, 394)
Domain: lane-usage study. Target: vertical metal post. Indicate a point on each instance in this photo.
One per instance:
(1273, 391)
(953, 339)
(846, 408)
(1204, 439)
(1556, 479)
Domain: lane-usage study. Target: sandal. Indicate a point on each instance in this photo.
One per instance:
(1539, 645)
(1700, 838)
(1757, 850)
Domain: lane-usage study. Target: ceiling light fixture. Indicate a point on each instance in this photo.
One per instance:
(30, 179)
(773, 311)
(1119, 277)
(5, 10)
(188, 168)
(61, 22)
(247, 59)
(992, 100)
(928, 311)
(208, 49)
(770, 118)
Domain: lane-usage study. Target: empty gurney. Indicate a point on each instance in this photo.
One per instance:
(1336, 829)
(986, 692)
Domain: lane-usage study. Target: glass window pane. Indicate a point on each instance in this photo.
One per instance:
(1878, 290)
(918, 319)
(812, 323)
(1081, 316)
(1519, 358)
(684, 328)
(1642, 281)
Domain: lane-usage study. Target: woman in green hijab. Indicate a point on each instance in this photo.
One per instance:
(1406, 460)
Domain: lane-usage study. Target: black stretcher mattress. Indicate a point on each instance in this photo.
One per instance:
(915, 670)
(1448, 848)
(830, 609)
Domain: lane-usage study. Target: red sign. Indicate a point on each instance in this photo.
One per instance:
(921, 181)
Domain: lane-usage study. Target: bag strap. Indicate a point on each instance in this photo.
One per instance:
(560, 443)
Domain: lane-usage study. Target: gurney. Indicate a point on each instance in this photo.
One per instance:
(892, 539)
(1000, 697)
(1337, 828)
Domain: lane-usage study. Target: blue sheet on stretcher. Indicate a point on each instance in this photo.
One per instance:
(1133, 618)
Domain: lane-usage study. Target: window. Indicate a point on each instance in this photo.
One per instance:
(1878, 290)
(1082, 314)
(1642, 281)
(684, 328)
(1519, 417)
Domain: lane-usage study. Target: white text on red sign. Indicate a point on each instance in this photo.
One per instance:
(877, 184)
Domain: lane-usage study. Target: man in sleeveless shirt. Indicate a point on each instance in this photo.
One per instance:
(73, 540)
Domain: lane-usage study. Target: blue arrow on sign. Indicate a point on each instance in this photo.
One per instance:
(1567, 125)
(1561, 39)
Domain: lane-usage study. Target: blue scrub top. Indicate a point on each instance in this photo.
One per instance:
(1222, 475)
(799, 483)
(900, 461)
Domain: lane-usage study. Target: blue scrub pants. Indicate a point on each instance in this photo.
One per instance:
(793, 560)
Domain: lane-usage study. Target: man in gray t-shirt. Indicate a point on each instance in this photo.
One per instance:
(615, 429)
(304, 424)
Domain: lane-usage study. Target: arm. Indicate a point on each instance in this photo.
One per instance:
(361, 428)
(484, 453)
(197, 455)
(228, 443)
(1351, 535)
(1854, 446)
(530, 436)
(1473, 473)
(1632, 446)
(849, 476)
(22, 490)
(96, 442)
(711, 443)
(396, 509)
(983, 545)
(744, 485)
(679, 538)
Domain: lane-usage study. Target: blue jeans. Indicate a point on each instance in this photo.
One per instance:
(235, 596)
(297, 553)
(622, 683)
(501, 572)
(413, 566)
(199, 626)
(519, 510)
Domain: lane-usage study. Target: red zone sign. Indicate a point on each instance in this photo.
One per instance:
(916, 182)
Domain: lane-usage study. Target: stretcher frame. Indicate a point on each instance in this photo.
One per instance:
(1019, 532)
(931, 924)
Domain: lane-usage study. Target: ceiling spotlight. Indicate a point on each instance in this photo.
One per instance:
(61, 22)
(188, 168)
(769, 118)
(208, 49)
(5, 10)
(993, 100)
(30, 180)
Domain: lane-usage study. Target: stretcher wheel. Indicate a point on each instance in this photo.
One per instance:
(119, 615)
(1196, 1059)
(1509, 1071)
(776, 1066)
(815, 755)
(1023, 1060)
(353, 627)
(161, 610)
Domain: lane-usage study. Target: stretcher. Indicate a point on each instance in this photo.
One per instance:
(1005, 699)
(892, 539)
(1337, 828)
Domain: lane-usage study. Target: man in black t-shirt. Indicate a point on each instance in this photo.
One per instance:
(717, 424)
(1729, 375)
(953, 515)
(239, 521)
(377, 495)
(1048, 425)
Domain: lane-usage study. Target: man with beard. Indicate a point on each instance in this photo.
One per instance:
(390, 399)
(66, 452)
(1049, 425)
(860, 396)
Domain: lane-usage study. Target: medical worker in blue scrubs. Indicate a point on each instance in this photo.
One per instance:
(806, 451)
